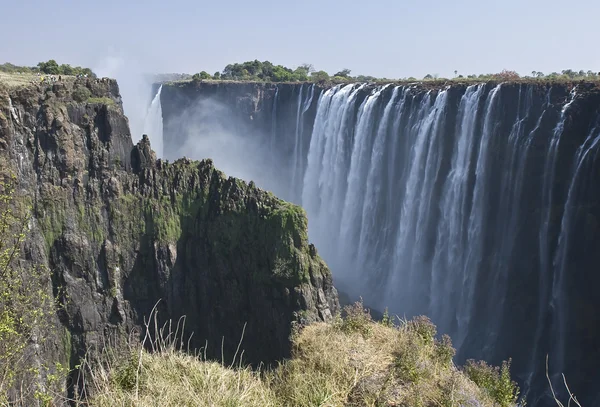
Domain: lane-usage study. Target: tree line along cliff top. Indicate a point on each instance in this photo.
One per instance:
(268, 72)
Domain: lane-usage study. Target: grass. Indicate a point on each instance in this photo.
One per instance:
(14, 79)
(353, 361)
(102, 101)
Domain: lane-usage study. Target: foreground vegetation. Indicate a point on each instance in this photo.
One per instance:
(354, 361)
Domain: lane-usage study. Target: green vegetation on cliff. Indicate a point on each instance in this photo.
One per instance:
(26, 308)
(50, 67)
(268, 72)
(352, 361)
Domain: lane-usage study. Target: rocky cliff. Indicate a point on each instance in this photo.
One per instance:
(120, 230)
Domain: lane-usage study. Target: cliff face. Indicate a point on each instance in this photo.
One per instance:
(119, 230)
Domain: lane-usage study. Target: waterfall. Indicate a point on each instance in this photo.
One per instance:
(475, 205)
(298, 155)
(325, 178)
(153, 124)
(273, 138)
(16, 115)
(451, 242)
(418, 200)
(586, 155)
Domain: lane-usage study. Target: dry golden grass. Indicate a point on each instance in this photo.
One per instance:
(27, 78)
(13, 79)
(331, 367)
(351, 362)
(173, 379)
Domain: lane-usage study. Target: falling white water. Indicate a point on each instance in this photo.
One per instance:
(299, 155)
(153, 124)
(274, 124)
(451, 240)
(14, 113)
(559, 301)
(464, 204)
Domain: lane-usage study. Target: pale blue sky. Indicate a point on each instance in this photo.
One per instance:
(378, 37)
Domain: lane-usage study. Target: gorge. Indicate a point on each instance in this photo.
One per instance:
(474, 203)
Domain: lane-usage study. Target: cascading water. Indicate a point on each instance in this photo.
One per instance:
(16, 116)
(433, 192)
(153, 124)
(299, 155)
(474, 205)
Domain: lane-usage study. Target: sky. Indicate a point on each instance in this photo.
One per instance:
(125, 39)
(383, 38)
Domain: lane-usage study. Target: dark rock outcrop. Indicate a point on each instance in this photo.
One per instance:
(120, 231)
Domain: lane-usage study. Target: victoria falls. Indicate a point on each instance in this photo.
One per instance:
(301, 204)
(473, 204)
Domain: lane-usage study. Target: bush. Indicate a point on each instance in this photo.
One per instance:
(387, 320)
(356, 318)
(81, 94)
(125, 375)
(495, 380)
(444, 352)
(423, 328)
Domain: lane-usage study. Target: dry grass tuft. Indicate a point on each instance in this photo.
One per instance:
(175, 379)
(333, 365)
(351, 362)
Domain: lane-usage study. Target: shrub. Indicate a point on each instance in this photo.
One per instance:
(388, 320)
(423, 328)
(356, 318)
(101, 101)
(408, 366)
(81, 94)
(125, 375)
(443, 351)
(495, 380)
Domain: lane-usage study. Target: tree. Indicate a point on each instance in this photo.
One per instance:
(344, 73)
(217, 75)
(205, 75)
(66, 69)
(309, 68)
(282, 74)
(455, 72)
(319, 76)
(50, 67)
(507, 75)
(428, 77)
(301, 74)
(569, 72)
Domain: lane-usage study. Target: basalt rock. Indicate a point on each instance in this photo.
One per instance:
(120, 231)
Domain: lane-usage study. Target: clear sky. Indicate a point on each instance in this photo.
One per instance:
(382, 38)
